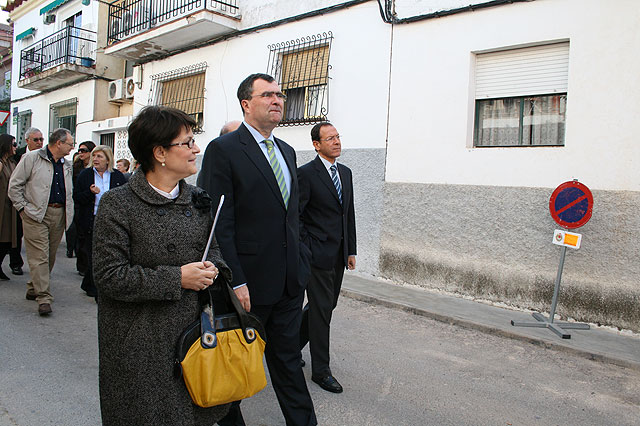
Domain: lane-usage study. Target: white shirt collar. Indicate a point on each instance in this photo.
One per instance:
(170, 195)
(256, 134)
(327, 164)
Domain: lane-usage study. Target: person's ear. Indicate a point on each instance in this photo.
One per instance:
(160, 154)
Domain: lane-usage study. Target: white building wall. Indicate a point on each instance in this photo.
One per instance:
(359, 73)
(28, 15)
(432, 102)
(39, 106)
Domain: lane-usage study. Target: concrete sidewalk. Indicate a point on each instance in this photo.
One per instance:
(598, 343)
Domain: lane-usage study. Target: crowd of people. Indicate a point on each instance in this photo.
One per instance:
(282, 230)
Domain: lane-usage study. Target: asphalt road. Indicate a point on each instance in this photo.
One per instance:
(397, 369)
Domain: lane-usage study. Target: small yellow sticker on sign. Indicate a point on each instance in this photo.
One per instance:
(567, 239)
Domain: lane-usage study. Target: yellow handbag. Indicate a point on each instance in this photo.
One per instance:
(220, 356)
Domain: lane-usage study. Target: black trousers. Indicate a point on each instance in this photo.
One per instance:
(85, 238)
(15, 255)
(71, 237)
(282, 325)
(322, 296)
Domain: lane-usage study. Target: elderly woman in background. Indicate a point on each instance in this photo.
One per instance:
(150, 238)
(90, 185)
(8, 215)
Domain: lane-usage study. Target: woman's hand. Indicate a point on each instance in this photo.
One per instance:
(198, 275)
(94, 189)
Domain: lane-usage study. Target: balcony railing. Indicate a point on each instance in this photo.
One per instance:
(70, 45)
(130, 17)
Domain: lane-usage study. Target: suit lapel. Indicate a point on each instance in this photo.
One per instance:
(255, 154)
(325, 178)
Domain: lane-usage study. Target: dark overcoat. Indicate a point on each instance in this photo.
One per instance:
(141, 241)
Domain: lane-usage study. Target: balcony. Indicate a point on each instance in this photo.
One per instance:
(66, 56)
(146, 29)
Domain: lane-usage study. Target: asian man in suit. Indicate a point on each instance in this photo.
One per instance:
(259, 236)
(328, 227)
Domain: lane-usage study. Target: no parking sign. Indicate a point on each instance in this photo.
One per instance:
(571, 204)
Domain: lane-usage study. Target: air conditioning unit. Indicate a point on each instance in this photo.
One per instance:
(48, 18)
(129, 87)
(115, 91)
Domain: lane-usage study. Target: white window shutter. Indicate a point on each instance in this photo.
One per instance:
(536, 70)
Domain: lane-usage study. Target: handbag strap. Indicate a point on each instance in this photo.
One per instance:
(207, 314)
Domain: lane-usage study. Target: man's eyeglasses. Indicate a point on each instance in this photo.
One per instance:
(38, 139)
(83, 150)
(331, 138)
(265, 95)
(188, 143)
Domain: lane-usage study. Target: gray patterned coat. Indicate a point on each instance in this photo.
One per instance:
(141, 239)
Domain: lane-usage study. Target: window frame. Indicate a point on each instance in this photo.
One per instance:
(521, 115)
(310, 76)
(53, 116)
(157, 90)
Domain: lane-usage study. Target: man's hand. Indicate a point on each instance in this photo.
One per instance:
(351, 263)
(242, 293)
(94, 189)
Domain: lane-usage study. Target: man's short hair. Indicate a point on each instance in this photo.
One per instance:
(315, 130)
(156, 126)
(58, 135)
(30, 131)
(246, 87)
(125, 162)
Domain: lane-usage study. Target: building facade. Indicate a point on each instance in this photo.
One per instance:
(457, 120)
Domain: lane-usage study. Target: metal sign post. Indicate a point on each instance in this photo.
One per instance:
(570, 206)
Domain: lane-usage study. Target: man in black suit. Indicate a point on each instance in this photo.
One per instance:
(258, 233)
(328, 227)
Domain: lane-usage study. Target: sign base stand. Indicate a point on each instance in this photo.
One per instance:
(543, 322)
(556, 327)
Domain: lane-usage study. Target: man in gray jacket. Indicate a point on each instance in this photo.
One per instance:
(41, 191)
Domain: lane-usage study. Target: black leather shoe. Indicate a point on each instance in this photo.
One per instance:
(44, 309)
(328, 383)
(17, 270)
(30, 296)
(69, 253)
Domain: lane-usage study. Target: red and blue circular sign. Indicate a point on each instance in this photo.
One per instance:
(571, 204)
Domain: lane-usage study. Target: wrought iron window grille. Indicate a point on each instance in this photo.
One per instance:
(301, 68)
(130, 17)
(63, 115)
(70, 45)
(183, 89)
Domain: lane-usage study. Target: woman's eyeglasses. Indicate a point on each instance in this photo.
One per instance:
(83, 150)
(15, 144)
(188, 143)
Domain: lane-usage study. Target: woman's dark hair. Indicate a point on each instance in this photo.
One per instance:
(89, 145)
(6, 141)
(155, 126)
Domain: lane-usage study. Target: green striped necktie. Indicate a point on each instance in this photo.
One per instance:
(277, 171)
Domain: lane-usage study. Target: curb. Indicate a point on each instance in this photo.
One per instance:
(449, 319)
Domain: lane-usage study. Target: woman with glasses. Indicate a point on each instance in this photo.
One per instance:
(8, 215)
(150, 239)
(92, 183)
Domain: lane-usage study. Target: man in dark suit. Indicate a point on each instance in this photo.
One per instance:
(258, 233)
(328, 227)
